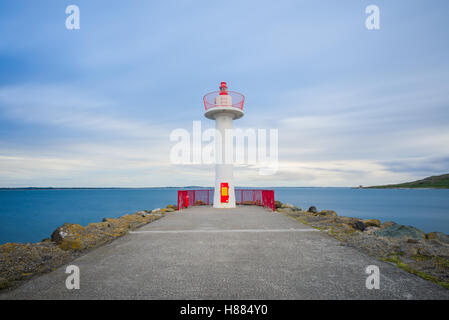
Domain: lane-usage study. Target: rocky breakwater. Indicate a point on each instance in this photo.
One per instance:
(19, 262)
(411, 249)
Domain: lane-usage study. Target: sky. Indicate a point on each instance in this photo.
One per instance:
(95, 107)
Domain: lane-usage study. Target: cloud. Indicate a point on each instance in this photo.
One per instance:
(72, 108)
(96, 107)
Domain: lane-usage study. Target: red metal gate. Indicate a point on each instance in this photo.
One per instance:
(188, 198)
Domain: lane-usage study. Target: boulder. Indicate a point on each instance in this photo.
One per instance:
(370, 230)
(155, 210)
(400, 231)
(327, 213)
(78, 238)
(277, 204)
(290, 206)
(286, 210)
(170, 209)
(387, 224)
(357, 225)
(312, 209)
(440, 236)
(371, 223)
(171, 206)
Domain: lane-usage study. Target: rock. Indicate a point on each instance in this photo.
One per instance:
(155, 210)
(312, 209)
(170, 209)
(59, 234)
(18, 261)
(347, 220)
(411, 250)
(171, 206)
(248, 203)
(370, 230)
(357, 225)
(286, 210)
(399, 231)
(277, 204)
(290, 206)
(387, 224)
(371, 223)
(327, 213)
(78, 238)
(440, 236)
(412, 241)
(3, 283)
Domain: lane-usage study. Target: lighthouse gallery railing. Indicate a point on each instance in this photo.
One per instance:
(258, 197)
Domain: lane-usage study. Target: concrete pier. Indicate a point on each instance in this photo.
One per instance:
(242, 253)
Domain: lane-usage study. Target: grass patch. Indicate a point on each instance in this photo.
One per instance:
(394, 258)
(441, 261)
(419, 258)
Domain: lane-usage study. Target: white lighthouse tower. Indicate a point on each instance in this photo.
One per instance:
(223, 106)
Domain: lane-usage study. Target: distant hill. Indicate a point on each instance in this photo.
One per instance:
(440, 182)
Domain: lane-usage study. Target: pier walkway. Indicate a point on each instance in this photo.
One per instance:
(243, 253)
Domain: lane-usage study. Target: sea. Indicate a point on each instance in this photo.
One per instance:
(30, 215)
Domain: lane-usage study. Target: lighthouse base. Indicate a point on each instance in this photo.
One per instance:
(224, 195)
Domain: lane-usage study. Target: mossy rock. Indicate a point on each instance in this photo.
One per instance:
(401, 231)
(372, 223)
(327, 213)
(4, 283)
(285, 210)
(277, 204)
(72, 244)
(387, 224)
(440, 236)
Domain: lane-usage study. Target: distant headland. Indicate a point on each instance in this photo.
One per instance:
(434, 182)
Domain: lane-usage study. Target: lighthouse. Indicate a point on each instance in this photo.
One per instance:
(224, 107)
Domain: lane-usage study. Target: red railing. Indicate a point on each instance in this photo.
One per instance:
(188, 198)
(238, 100)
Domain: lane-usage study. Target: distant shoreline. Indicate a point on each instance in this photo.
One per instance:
(433, 182)
(402, 188)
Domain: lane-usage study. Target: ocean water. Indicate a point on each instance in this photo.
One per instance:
(32, 215)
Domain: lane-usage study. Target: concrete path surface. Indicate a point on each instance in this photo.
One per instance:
(243, 253)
